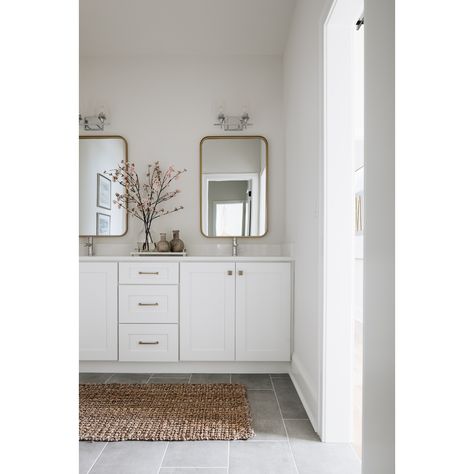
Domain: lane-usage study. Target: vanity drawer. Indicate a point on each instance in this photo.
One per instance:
(148, 273)
(148, 304)
(148, 342)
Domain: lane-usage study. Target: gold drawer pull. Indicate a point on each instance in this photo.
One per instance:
(148, 304)
(146, 342)
(148, 273)
(241, 272)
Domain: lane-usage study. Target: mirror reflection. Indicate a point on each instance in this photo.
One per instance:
(98, 215)
(234, 186)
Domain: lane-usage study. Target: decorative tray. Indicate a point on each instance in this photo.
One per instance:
(158, 254)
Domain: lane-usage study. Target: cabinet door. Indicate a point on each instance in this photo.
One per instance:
(207, 311)
(263, 311)
(98, 311)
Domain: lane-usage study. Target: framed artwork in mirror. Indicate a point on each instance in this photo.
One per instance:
(104, 192)
(103, 224)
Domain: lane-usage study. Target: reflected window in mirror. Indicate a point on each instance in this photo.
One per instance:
(98, 215)
(234, 186)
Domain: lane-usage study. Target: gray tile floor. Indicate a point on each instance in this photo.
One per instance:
(285, 442)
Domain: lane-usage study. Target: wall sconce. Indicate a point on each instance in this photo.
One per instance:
(233, 123)
(93, 123)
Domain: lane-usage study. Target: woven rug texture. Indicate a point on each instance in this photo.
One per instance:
(163, 412)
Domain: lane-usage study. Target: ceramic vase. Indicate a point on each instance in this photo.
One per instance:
(177, 245)
(163, 245)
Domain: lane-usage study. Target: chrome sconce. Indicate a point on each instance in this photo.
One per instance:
(93, 123)
(233, 123)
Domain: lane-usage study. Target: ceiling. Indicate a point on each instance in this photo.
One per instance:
(152, 27)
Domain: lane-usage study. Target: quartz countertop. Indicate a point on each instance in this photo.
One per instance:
(214, 258)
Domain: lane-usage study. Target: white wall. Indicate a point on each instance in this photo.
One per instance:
(378, 452)
(302, 81)
(164, 105)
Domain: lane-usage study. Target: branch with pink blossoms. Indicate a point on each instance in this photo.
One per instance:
(143, 200)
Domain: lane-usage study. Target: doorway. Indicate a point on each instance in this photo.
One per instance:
(341, 384)
(357, 79)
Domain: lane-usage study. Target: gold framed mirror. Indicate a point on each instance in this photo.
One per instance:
(98, 215)
(234, 186)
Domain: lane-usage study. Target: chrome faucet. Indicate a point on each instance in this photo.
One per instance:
(90, 246)
(235, 246)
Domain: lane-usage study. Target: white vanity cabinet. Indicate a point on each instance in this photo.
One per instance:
(98, 316)
(235, 311)
(191, 309)
(207, 311)
(262, 311)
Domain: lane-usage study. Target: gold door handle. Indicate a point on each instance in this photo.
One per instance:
(148, 304)
(229, 272)
(148, 273)
(148, 342)
(241, 272)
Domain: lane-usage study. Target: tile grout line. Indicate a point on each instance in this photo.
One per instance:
(276, 440)
(194, 467)
(163, 458)
(286, 431)
(97, 458)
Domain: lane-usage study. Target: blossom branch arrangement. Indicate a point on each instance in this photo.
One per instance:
(144, 199)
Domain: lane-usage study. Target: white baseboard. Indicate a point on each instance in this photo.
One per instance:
(185, 367)
(305, 390)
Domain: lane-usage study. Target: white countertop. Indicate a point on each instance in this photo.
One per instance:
(128, 258)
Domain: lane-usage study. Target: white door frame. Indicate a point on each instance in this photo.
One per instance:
(335, 401)
(253, 177)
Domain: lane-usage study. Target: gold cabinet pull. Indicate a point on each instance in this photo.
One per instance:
(229, 272)
(148, 304)
(148, 273)
(148, 342)
(241, 272)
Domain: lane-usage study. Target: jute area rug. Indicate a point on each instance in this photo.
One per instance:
(163, 412)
